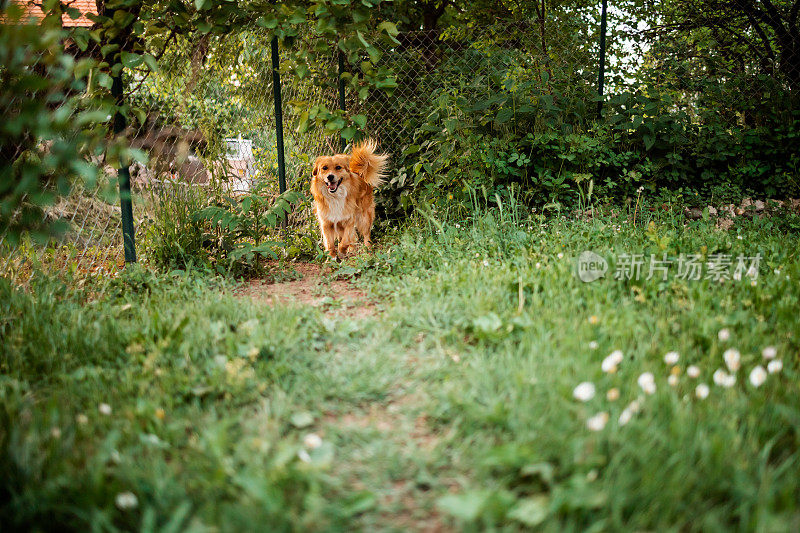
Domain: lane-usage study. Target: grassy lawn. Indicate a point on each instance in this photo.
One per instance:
(169, 403)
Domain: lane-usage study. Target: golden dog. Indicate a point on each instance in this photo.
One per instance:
(343, 201)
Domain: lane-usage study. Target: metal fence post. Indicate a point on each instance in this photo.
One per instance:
(276, 90)
(342, 104)
(602, 71)
(124, 178)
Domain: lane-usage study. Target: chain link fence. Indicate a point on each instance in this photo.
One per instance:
(208, 123)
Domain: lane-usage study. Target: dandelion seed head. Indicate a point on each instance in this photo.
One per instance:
(758, 376)
(612, 360)
(671, 358)
(597, 422)
(312, 441)
(724, 334)
(126, 501)
(769, 352)
(672, 380)
(702, 391)
(594, 345)
(104, 409)
(774, 366)
(693, 371)
(584, 391)
(625, 416)
(733, 359)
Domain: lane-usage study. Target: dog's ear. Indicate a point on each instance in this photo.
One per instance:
(315, 168)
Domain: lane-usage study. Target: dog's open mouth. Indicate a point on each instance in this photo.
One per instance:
(333, 187)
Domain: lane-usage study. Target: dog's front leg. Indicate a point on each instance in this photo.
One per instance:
(329, 238)
(347, 239)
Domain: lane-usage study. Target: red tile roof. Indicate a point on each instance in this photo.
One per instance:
(32, 11)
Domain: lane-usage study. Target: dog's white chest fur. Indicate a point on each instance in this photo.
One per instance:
(336, 205)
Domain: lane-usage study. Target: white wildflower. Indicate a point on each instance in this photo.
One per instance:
(724, 334)
(560, 255)
(693, 371)
(612, 360)
(733, 359)
(672, 380)
(702, 391)
(584, 391)
(612, 395)
(594, 345)
(82, 419)
(597, 422)
(104, 409)
(303, 456)
(769, 352)
(647, 382)
(625, 416)
(126, 501)
(55, 432)
(486, 262)
(723, 379)
(758, 376)
(775, 366)
(312, 441)
(671, 358)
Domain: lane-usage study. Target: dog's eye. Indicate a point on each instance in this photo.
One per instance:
(338, 167)
(324, 168)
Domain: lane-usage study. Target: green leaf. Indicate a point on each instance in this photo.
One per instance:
(360, 120)
(467, 506)
(488, 323)
(200, 5)
(389, 27)
(504, 115)
(268, 21)
(130, 60)
(348, 133)
(302, 419)
(531, 511)
(151, 62)
(362, 39)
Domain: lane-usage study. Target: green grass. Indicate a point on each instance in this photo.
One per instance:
(451, 406)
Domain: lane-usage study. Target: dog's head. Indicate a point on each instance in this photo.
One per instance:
(331, 171)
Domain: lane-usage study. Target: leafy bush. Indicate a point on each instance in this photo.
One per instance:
(229, 234)
(53, 133)
(487, 123)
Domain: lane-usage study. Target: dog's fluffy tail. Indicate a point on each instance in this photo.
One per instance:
(367, 164)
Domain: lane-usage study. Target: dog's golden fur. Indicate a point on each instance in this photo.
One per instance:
(342, 187)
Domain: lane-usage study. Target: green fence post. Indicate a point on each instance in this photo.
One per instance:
(602, 71)
(124, 178)
(276, 90)
(342, 104)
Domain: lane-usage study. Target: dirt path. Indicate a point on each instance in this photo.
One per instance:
(314, 285)
(399, 420)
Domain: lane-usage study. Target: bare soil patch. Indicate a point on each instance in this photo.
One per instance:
(314, 285)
